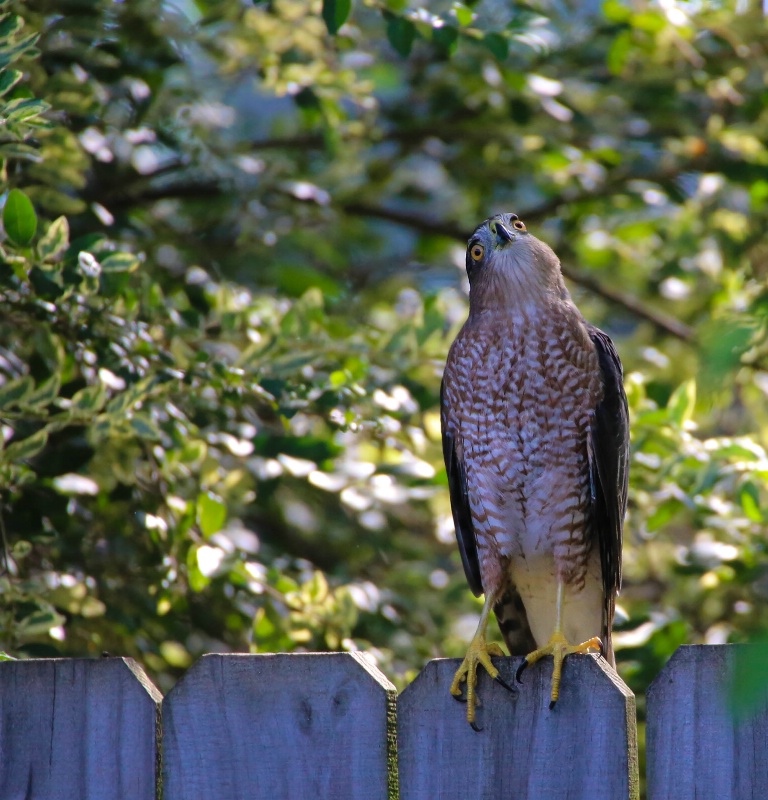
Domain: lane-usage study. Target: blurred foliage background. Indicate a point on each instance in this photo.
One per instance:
(232, 267)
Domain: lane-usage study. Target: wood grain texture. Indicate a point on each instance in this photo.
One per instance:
(586, 747)
(316, 726)
(696, 746)
(77, 728)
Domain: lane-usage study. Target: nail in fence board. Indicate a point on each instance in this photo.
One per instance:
(697, 747)
(586, 747)
(317, 726)
(77, 729)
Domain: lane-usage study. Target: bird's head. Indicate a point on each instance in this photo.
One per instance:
(508, 266)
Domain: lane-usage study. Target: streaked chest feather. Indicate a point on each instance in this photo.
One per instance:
(523, 383)
(520, 393)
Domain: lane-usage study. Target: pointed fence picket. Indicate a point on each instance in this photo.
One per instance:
(586, 746)
(329, 727)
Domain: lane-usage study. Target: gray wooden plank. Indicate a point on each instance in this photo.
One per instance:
(314, 725)
(77, 728)
(586, 747)
(696, 746)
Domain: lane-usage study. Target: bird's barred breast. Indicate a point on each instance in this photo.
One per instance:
(520, 393)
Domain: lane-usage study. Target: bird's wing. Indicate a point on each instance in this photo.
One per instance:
(462, 517)
(609, 466)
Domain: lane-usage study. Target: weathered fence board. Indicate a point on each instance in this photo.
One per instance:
(584, 748)
(696, 746)
(243, 727)
(322, 726)
(77, 729)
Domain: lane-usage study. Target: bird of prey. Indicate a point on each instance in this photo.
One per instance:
(536, 444)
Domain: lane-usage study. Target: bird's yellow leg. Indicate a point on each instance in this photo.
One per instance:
(479, 652)
(558, 647)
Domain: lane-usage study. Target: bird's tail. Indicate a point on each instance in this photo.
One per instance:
(513, 623)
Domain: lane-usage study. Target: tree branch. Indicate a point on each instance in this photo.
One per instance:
(661, 321)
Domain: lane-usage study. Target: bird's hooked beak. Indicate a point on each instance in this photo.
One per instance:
(503, 234)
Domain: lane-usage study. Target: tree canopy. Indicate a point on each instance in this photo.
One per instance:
(232, 267)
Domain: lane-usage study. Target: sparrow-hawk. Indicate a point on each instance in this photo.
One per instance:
(536, 444)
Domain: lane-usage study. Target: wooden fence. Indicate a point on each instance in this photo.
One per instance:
(330, 726)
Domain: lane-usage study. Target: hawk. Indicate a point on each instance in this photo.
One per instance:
(536, 444)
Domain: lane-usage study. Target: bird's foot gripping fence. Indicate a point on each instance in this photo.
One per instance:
(331, 727)
(557, 647)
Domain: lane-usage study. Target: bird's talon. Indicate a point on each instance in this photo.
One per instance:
(475, 727)
(552, 704)
(509, 688)
(520, 670)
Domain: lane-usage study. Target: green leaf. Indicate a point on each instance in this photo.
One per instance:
(91, 398)
(19, 150)
(5, 657)
(26, 448)
(55, 241)
(25, 108)
(400, 32)
(120, 262)
(8, 79)
(335, 13)
(21, 549)
(9, 54)
(749, 497)
(445, 38)
(15, 392)
(682, 402)
(211, 513)
(44, 394)
(145, 427)
(9, 25)
(464, 15)
(748, 688)
(40, 622)
(619, 52)
(497, 44)
(19, 218)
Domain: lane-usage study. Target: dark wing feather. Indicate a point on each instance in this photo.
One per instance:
(609, 466)
(462, 517)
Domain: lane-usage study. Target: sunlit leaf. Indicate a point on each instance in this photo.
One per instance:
(120, 262)
(55, 240)
(211, 513)
(682, 402)
(40, 622)
(464, 15)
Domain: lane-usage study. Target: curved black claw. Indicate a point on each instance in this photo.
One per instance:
(475, 727)
(509, 688)
(520, 670)
(552, 704)
(459, 698)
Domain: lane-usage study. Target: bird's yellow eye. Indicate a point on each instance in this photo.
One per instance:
(477, 251)
(519, 224)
